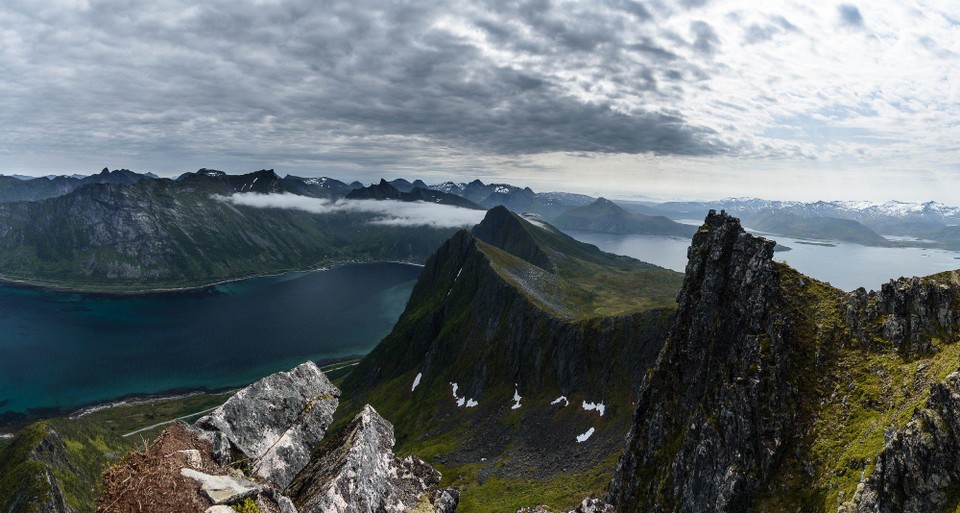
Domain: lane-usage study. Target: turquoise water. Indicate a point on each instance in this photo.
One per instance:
(60, 350)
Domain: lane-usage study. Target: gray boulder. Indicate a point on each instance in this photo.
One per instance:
(274, 423)
(357, 472)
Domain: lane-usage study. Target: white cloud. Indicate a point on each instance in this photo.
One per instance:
(386, 212)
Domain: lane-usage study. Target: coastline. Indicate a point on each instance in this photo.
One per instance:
(162, 290)
(11, 422)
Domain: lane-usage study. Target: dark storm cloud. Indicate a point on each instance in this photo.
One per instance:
(850, 16)
(303, 80)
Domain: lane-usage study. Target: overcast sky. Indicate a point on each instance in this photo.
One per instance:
(691, 98)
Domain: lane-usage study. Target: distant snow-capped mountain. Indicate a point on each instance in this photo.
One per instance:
(890, 217)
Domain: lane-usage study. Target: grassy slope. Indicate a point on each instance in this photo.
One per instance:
(586, 287)
(92, 442)
(850, 395)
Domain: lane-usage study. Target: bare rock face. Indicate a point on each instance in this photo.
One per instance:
(713, 413)
(357, 472)
(919, 467)
(908, 312)
(274, 423)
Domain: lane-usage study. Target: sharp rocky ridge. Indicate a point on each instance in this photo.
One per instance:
(750, 405)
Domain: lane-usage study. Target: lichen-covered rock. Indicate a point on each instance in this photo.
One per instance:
(908, 312)
(276, 422)
(357, 472)
(714, 411)
(919, 467)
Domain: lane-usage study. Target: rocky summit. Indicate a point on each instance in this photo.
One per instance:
(261, 451)
(776, 392)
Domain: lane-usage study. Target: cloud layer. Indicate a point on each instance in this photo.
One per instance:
(477, 88)
(387, 212)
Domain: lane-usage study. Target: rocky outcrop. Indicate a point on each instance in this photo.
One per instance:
(714, 412)
(908, 312)
(357, 472)
(919, 468)
(275, 423)
(589, 505)
(264, 436)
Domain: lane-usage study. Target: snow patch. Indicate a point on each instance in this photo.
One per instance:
(516, 397)
(416, 381)
(583, 438)
(462, 401)
(594, 406)
(560, 399)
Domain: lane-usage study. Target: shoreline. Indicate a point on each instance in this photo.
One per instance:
(14, 421)
(163, 290)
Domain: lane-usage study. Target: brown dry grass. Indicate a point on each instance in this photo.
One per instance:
(150, 481)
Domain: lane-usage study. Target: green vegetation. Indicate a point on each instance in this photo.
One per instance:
(850, 394)
(514, 302)
(585, 289)
(246, 506)
(77, 450)
(560, 493)
(186, 237)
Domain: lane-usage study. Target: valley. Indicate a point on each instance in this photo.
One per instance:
(512, 361)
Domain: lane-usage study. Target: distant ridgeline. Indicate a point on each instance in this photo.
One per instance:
(147, 233)
(124, 231)
(525, 359)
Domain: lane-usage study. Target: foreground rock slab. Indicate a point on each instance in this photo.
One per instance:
(357, 472)
(274, 423)
(222, 489)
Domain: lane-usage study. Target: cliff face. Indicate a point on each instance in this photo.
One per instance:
(774, 391)
(908, 312)
(712, 415)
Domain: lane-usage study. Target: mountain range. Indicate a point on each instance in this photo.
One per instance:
(531, 369)
(161, 233)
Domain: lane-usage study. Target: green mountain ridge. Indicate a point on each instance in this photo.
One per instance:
(162, 233)
(583, 325)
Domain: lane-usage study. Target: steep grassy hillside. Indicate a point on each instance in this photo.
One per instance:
(517, 309)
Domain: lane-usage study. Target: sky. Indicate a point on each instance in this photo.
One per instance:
(684, 99)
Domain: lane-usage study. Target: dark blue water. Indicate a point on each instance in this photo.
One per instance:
(61, 350)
